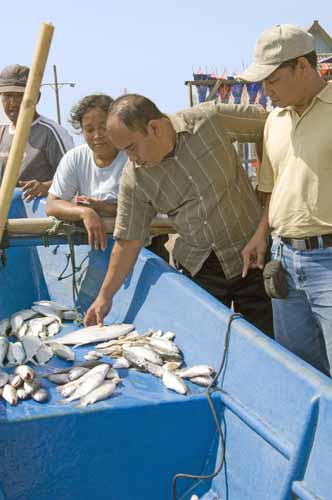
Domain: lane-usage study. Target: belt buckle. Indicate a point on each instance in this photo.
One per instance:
(299, 244)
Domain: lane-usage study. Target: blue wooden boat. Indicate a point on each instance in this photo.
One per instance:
(274, 409)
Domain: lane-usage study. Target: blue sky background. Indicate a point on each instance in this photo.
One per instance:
(148, 47)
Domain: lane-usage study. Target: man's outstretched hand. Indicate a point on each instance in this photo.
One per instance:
(97, 311)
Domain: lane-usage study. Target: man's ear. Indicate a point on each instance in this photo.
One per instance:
(154, 127)
(303, 63)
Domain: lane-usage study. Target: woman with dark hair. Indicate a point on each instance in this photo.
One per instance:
(86, 182)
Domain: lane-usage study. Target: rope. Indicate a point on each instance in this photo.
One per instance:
(211, 388)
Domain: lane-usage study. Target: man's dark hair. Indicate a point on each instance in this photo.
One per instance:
(86, 104)
(311, 57)
(135, 111)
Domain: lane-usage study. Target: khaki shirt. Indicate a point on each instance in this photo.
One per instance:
(203, 188)
(297, 168)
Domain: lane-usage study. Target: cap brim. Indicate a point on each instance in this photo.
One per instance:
(11, 88)
(258, 72)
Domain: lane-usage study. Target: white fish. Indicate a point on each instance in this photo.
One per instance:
(18, 352)
(72, 315)
(155, 370)
(46, 310)
(4, 378)
(62, 351)
(41, 395)
(10, 357)
(53, 329)
(93, 355)
(31, 387)
(9, 394)
(195, 371)
(108, 351)
(17, 319)
(69, 388)
(43, 355)
(164, 346)
(4, 327)
(58, 378)
(173, 382)
(16, 381)
(4, 343)
(169, 336)
(203, 381)
(94, 334)
(51, 304)
(21, 393)
(25, 372)
(102, 392)
(92, 382)
(77, 372)
(172, 366)
(121, 363)
(145, 353)
(22, 330)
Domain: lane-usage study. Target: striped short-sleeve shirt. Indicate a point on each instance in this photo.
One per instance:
(202, 187)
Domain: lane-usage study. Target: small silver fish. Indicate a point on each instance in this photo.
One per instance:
(164, 346)
(17, 319)
(4, 327)
(203, 381)
(16, 381)
(145, 353)
(25, 372)
(18, 352)
(195, 371)
(46, 310)
(21, 393)
(62, 351)
(58, 378)
(102, 392)
(52, 305)
(53, 329)
(121, 363)
(173, 382)
(4, 378)
(68, 389)
(4, 343)
(77, 372)
(31, 387)
(41, 395)
(91, 383)
(9, 394)
(93, 355)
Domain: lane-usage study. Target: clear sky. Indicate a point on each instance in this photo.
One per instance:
(146, 46)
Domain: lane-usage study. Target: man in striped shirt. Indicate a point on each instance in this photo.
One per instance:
(185, 166)
(47, 142)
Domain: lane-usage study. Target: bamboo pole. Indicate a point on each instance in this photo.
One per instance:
(26, 115)
(39, 226)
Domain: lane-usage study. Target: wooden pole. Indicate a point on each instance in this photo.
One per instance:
(39, 226)
(26, 115)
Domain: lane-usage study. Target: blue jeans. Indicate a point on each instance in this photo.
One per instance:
(303, 321)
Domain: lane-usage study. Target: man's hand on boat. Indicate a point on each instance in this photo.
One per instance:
(34, 189)
(97, 312)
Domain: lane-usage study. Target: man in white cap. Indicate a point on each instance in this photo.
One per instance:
(47, 142)
(297, 172)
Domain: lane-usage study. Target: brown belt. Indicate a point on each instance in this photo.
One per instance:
(309, 243)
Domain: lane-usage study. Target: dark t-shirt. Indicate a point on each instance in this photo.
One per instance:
(47, 144)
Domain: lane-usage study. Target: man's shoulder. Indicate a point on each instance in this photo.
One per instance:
(53, 130)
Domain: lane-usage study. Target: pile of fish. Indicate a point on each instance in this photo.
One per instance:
(23, 384)
(32, 329)
(88, 383)
(44, 319)
(153, 352)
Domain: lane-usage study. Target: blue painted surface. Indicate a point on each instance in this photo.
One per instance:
(275, 409)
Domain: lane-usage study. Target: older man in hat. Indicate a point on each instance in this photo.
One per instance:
(47, 143)
(297, 172)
